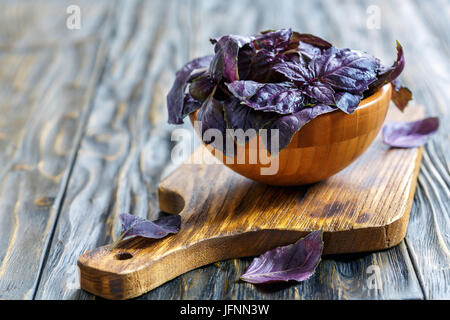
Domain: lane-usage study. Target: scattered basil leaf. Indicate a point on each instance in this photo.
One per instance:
(297, 261)
(409, 134)
(137, 226)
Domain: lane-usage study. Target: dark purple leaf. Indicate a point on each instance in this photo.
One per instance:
(296, 262)
(307, 50)
(294, 71)
(345, 69)
(320, 91)
(275, 41)
(211, 117)
(244, 89)
(225, 61)
(240, 40)
(400, 95)
(306, 38)
(190, 104)
(282, 98)
(245, 57)
(289, 124)
(175, 98)
(409, 134)
(197, 73)
(390, 74)
(347, 102)
(157, 229)
(201, 87)
(239, 116)
(261, 65)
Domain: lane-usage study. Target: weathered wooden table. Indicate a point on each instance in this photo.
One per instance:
(84, 137)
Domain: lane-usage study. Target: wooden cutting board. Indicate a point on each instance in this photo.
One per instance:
(365, 207)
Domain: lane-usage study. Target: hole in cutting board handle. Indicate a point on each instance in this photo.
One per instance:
(124, 256)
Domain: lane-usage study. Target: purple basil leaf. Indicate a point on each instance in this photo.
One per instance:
(289, 124)
(297, 261)
(157, 229)
(275, 41)
(245, 57)
(409, 134)
(197, 73)
(294, 71)
(345, 69)
(239, 116)
(225, 61)
(282, 98)
(175, 98)
(201, 87)
(347, 102)
(211, 116)
(244, 89)
(261, 65)
(320, 91)
(309, 51)
(392, 73)
(400, 95)
(298, 38)
(240, 40)
(190, 104)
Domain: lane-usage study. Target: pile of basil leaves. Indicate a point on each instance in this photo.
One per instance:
(277, 80)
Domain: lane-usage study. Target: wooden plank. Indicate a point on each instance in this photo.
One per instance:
(127, 140)
(45, 80)
(436, 15)
(427, 74)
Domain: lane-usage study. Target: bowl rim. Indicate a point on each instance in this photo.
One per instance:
(367, 102)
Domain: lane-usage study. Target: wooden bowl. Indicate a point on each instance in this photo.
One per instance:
(323, 147)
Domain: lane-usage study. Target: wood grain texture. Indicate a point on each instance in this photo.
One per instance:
(127, 145)
(365, 207)
(428, 237)
(46, 84)
(127, 140)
